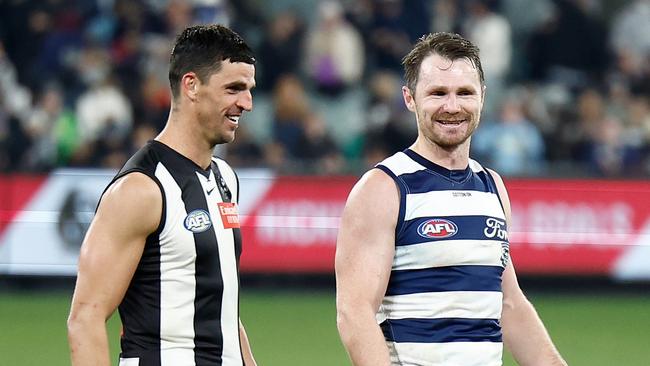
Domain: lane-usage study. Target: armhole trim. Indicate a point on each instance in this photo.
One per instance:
(399, 227)
(496, 188)
(163, 213)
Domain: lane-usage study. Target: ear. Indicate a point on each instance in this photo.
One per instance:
(483, 90)
(409, 99)
(190, 85)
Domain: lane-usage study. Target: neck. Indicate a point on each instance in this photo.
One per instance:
(180, 134)
(453, 158)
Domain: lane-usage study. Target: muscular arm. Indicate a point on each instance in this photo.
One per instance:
(524, 333)
(364, 253)
(249, 360)
(129, 211)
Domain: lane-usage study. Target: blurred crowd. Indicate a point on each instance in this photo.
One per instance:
(84, 82)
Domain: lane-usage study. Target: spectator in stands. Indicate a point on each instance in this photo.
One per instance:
(48, 127)
(244, 151)
(582, 130)
(280, 50)
(568, 48)
(491, 33)
(15, 102)
(291, 110)
(512, 144)
(608, 153)
(317, 149)
(565, 54)
(334, 54)
(388, 125)
(630, 30)
(13, 140)
(103, 112)
(445, 16)
(16, 98)
(388, 38)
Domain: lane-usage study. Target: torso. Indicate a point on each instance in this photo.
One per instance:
(443, 301)
(181, 307)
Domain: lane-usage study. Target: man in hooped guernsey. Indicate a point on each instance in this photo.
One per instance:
(165, 242)
(423, 271)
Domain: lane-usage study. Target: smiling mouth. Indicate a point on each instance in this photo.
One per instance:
(233, 119)
(450, 123)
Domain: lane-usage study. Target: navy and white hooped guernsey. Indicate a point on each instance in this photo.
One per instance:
(443, 301)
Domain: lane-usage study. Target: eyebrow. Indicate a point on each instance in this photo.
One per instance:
(462, 88)
(239, 85)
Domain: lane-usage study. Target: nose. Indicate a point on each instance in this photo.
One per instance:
(245, 100)
(451, 104)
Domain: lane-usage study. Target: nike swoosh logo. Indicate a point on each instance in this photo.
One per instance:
(210, 190)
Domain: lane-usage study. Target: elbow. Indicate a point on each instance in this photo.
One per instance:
(74, 326)
(352, 320)
(79, 324)
(515, 303)
(345, 318)
(342, 320)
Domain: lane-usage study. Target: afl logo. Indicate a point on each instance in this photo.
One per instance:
(437, 229)
(197, 221)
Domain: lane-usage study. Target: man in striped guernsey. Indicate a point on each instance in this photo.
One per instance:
(165, 242)
(423, 270)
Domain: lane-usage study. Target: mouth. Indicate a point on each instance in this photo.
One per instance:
(451, 122)
(233, 118)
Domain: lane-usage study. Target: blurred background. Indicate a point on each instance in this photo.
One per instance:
(83, 85)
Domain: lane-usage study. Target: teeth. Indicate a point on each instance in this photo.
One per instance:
(234, 118)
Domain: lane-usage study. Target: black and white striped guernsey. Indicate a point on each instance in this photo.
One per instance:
(182, 305)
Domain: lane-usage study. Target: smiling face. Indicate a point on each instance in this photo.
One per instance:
(221, 101)
(447, 101)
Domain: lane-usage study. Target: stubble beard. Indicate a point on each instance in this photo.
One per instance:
(446, 141)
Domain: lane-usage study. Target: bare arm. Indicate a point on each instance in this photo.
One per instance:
(364, 254)
(523, 331)
(129, 211)
(249, 360)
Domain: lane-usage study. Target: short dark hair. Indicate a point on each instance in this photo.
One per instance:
(448, 45)
(201, 49)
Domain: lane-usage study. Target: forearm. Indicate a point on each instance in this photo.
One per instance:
(247, 353)
(363, 339)
(88, 344)
(526, 338)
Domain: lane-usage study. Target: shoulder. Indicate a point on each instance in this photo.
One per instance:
(399, 164)
(145, 159)
(376, 181)
(134, 189)
(376, 192)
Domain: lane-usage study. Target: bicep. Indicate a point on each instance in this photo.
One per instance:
(129, 211)
(366, 241)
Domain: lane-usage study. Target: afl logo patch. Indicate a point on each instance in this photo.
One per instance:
(198, 221)
(437, 229)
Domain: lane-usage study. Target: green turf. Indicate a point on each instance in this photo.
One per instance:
(297, 328)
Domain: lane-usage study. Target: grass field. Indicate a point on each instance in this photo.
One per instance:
(298, 328)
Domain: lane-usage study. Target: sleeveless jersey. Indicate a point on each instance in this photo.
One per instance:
(443, 301)
(182, 305)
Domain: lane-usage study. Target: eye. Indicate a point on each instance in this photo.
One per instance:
(465, 92)
(438, 93)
